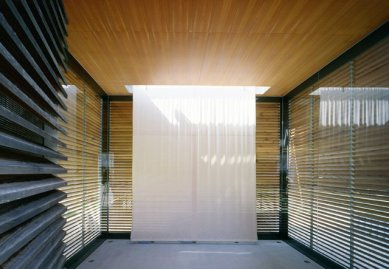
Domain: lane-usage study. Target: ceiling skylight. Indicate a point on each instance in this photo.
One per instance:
(258, 89)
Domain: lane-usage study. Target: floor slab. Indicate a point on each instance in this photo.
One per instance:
(266, 254)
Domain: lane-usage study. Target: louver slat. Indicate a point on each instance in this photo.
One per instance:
(32, 105)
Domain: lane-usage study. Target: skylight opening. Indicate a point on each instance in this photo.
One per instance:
(259, 90)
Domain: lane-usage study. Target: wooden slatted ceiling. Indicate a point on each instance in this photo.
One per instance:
(207, 42)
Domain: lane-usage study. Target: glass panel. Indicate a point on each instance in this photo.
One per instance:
(339, 162)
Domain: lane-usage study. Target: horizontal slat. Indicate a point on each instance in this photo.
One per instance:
(49, 32)
(56, 27)
(48, 252)
(60, 263)
(10, 167)
(25, 211)
(59, 25)
(24, 76)
(120, 217)
(8, 86)
(12, 142)
(11, 242)
(52, 259)
(83, 148)
(32, 42)
(20, 121)
(17, 190)
(32, 105)
(17, 44)
(27, 255)
(62, 8)
(267, 166)
(58, 8)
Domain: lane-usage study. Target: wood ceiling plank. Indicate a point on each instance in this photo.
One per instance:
(277, 43)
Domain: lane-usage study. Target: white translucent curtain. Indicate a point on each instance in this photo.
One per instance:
(362, 106)
(194, 164)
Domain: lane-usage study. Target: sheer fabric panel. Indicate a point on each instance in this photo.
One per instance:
(194, 164)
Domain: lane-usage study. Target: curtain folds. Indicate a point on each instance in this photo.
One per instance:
(194, 164)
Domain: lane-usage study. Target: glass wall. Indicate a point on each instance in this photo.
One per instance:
(117, 199)
(83, 139)
(339, 162)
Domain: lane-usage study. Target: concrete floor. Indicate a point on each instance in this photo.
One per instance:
(266, 254)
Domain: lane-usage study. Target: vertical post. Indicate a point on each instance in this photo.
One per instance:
(312, 170)
(284, 129)
(104, 163)
(84, 128)
(351, 166)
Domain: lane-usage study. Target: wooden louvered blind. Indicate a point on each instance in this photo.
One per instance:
(338, 174)
(32, 110)
(300, 169)
(267, 166)
(120, 173)
(75, 165)
(83, 178)
(92, 179)
(370, 159)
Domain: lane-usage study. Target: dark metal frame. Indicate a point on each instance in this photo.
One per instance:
(77, 67)
(284, 129)
(120, 98)
(276, 235)
(313, 255)
(116, 235)
(84, 253)
(105, 130)
(268, 99)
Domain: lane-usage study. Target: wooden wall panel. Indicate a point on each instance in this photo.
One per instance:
(268, 166)
(120, 176)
